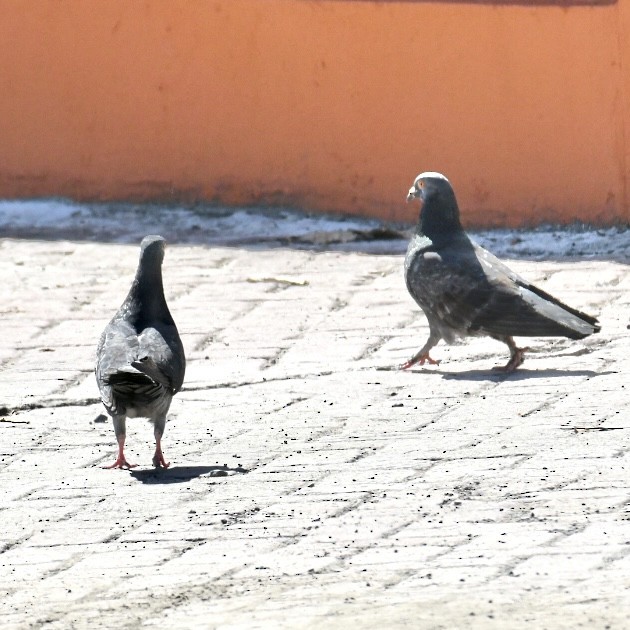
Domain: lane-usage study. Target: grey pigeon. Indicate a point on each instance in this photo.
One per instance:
(466, 291)
(140, 360)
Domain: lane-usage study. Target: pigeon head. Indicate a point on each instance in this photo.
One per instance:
(427, 184)
(152, 250)
(439, 213)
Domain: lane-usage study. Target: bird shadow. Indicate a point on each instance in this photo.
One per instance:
(179, 474)
(518, 375)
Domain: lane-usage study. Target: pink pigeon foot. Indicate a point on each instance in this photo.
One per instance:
(517, 358)
(159, 461)
(421, 359)
(121, 460)
(158, 457)
(121, 463)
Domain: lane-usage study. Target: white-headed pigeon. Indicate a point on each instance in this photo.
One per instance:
(464, 290)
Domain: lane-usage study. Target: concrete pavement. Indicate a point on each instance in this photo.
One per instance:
(312, 484)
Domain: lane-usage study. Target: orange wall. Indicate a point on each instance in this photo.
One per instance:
(321, 104)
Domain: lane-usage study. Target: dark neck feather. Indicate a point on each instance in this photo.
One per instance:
(439, 216)
(145, 302)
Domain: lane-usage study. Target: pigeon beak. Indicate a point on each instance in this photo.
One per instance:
(412, 194)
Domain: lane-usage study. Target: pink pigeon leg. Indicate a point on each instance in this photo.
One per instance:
(158, 457)
(121, 461)
(517, 356)
(422, 356)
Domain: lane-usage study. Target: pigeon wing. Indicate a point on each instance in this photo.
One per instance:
(514, 307)
(448, 288)
(117, 348)
(161, 356)
(465, 288)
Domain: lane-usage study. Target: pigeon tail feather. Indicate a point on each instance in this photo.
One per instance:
(148, 366)
(574, 320)
(131, 388)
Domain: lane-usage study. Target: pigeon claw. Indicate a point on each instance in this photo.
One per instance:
(121, 462)
(159, 461)
(422, 359)
(517, 358)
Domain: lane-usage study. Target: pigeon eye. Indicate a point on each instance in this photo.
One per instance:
(420, 184)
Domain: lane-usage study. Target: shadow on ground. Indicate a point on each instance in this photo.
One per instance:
(518, 375)
(179, 474)
(489, 374)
